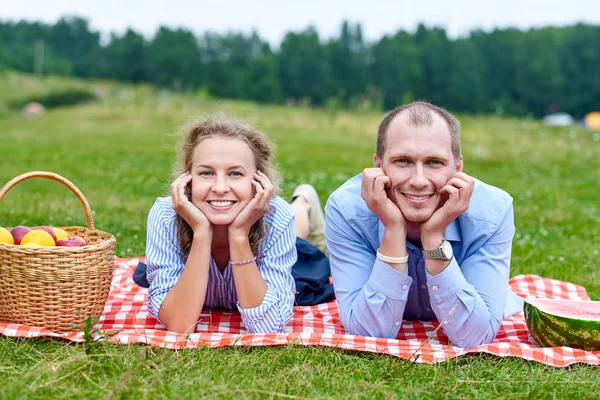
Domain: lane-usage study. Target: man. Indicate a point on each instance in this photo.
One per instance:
(416, 238)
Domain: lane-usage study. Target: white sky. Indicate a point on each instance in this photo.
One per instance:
(273, 18)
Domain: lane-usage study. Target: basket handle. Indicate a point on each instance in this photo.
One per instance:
(54, 177)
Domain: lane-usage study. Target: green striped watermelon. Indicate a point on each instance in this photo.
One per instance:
(572, 323)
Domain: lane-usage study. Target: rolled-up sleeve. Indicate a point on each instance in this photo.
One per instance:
(469, 300)
(275, 265)
(163, 257)
(371, 295)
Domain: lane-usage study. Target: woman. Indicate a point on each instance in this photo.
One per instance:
(223, 239)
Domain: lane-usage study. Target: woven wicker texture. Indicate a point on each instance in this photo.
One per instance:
(56, 287)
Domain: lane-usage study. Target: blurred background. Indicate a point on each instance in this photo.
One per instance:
(516, 58)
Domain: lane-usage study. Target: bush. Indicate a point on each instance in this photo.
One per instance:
(67, 97)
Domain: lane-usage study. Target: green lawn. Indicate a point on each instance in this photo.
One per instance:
(119, 152)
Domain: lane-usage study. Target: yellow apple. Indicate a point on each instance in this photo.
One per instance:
(60, 234)
(6, 237)
(38, 236)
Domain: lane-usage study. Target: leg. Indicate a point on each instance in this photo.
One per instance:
(301, 208)
(312, 210)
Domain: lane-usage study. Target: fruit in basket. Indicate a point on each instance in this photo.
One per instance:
(6, 237)
(72, 241)
(60, 234)
(18, 232)
(46, 229)
(31, 244)
(38, 236)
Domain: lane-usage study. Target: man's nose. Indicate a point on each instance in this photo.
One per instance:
(418, 178)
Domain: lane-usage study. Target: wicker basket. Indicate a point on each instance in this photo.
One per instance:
(56, 287)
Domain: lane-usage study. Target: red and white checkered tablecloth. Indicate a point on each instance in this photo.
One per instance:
(126, 313)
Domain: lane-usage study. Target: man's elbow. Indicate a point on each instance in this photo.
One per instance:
(477, 339)
(354, 327)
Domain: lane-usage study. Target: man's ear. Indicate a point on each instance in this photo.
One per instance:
(376, 161)
(459, 164)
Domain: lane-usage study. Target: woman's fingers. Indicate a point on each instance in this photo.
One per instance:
(178, 188)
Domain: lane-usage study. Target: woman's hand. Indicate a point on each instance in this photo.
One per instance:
(185, 208)
(255, 209)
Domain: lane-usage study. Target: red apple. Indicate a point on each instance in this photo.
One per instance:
(18, 232)
(71, 241)
(47, 229)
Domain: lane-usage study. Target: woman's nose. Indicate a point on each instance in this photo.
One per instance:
(220, 185)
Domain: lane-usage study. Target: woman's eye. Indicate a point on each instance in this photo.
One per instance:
(205, 173)
(235, 173)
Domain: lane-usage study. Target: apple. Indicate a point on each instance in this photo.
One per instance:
(71, 241)
(6, 237)
(47, 229)
(60, 233)
(18, 232)
(38, 236)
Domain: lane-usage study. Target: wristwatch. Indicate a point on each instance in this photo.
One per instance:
(444, 252)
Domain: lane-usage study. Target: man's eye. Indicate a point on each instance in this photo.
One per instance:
(402, 161)
(435, 162)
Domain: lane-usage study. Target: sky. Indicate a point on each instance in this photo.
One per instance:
(272, 19)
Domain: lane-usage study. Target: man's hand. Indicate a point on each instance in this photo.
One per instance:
(458, 190)
(374, 191)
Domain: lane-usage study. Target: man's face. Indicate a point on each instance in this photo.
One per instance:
(419, 162)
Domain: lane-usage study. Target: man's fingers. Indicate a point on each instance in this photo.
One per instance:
(380, 183)
(451, 191)
(467, 178)
(458, 183)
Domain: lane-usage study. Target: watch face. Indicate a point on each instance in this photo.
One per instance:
(447, 250)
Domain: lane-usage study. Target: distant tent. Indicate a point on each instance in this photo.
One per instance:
(592, 120)
(558, 119)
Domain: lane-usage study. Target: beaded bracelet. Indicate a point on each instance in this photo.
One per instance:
(242, 262)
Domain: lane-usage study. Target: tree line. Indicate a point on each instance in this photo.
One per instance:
(507, 71)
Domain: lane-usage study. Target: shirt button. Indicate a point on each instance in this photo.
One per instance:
(434, 288)
(397, 324)
(445, 322)
(423, 287)
(404, 287)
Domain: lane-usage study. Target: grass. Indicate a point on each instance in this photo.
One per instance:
(119, 153)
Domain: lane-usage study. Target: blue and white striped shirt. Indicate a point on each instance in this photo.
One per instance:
(166, 261)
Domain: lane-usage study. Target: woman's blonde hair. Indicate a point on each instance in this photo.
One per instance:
(263, 153)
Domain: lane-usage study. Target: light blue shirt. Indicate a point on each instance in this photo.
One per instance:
(470, 297)
(277, 255)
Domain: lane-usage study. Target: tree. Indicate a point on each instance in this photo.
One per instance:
(174, 59)
(303, 69)
(126, 56)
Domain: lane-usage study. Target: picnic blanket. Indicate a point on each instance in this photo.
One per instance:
(126, 315)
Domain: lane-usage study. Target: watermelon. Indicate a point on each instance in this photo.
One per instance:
(572, 323)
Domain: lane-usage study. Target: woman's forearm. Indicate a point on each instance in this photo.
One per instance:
(249, 283)
(183, 304)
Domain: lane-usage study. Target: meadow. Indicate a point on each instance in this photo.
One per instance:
(119, 151)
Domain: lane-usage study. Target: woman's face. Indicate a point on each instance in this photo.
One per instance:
(222, 172)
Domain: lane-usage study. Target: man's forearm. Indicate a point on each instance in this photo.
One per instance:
(431, 242)
(393, 244)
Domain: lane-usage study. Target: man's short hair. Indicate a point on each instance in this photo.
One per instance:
(420, 113)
